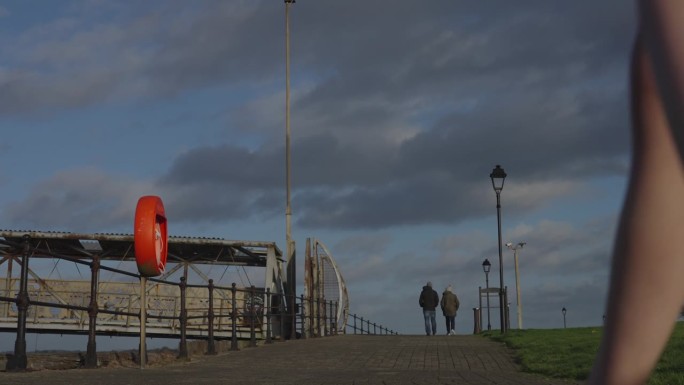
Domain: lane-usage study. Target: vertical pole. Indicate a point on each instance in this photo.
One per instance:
(361, 318)
(91, 351)
(489, 324)
(332, 319)
(307, 307)
(517, 288)
(290, 269)
(183, 319)
(288, 208)
(8, 285)
(211, 346)
(507, 314)
(252, 316)
(479, 299)
(233, 316)
(268, 316)
(354, 316)
(302, 316)
(337, 321)
(325, 318)
(19, 360)
(501, 280)
(143, 321)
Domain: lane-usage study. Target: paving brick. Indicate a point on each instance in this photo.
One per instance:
(346, 359)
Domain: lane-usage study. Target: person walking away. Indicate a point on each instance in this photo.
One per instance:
(429, 299)
(449, 305)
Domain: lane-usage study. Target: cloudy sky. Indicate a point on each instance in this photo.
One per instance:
(400, 111)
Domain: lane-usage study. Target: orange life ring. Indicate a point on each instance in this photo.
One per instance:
(150, 236)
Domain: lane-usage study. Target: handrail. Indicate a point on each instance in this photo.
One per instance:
(264, 314)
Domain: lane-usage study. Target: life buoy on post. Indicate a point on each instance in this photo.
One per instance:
(150, 236)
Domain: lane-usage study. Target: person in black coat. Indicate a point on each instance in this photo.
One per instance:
(428, 301)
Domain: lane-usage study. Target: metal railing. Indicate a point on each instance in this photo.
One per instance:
(357, 326)
(176, 310)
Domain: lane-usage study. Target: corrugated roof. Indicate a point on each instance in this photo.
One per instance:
(202, 250)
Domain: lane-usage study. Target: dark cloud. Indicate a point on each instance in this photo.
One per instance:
(80, 200)
(398, 117)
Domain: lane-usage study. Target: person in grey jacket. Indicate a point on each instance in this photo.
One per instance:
(428, 301)
(449, 305)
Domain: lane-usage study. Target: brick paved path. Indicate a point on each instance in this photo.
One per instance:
(351, 359)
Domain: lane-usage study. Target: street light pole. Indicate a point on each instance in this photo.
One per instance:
(290, 269)
(517, 279)
(288, 208)
(486, 266)
(498, 176)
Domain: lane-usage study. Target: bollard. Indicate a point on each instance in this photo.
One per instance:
(476, 318)
(91, 350)
(233, 316)
(183, 320)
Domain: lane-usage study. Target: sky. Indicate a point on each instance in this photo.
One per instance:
(399, 112)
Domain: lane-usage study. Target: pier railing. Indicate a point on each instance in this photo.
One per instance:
(154, 307)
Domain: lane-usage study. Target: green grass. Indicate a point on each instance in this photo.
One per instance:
(569, 353)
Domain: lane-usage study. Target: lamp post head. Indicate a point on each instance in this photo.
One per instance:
(486, 266)
(564, 310)
(498, 176)
(517, 246)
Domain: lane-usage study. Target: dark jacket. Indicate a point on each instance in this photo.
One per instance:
(428, 298)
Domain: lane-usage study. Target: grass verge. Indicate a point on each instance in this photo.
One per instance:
(569, 353)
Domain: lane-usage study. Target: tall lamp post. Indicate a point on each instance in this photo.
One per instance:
(564, 311)
(498, 176)
(290, 269)
(515, 248)
(486, 266)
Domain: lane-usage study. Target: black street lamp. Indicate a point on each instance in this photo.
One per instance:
(498, 176)
(486, 266)
(564, 311)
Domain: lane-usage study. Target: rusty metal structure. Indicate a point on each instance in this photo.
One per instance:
(323, 284)
(29, 302)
